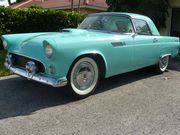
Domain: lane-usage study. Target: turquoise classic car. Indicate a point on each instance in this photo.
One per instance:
(104, 45)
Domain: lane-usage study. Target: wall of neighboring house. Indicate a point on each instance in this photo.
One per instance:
(175, 25)
(172, 23)
(167, 30)
(88, 11)
(85, 10)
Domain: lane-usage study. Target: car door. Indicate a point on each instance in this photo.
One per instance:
(121, 54)
(145, 49)
(121, 45)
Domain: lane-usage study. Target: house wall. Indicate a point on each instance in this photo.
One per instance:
(86, 10)
(173, 4)
(167, 30)
(175, 29)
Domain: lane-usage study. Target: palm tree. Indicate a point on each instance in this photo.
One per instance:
(72, 5)
(79, 5)
(9, 1)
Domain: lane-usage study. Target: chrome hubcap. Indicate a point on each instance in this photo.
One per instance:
(83, 76)
(164, 63)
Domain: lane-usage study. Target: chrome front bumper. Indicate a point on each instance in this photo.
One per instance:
(36, 77)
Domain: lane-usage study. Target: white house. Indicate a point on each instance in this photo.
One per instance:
(4, 3)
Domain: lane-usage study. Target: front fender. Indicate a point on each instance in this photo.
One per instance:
(94, 52)
(65, 59)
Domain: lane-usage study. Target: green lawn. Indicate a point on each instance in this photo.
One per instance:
(3, 70)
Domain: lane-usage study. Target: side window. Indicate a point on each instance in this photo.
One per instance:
(118, 24)
(141, 27)
(123, 25)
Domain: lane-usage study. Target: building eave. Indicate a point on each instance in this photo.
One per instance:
(19, 5)
(82, 6)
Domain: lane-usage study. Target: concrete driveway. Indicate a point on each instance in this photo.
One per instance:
(136, 103)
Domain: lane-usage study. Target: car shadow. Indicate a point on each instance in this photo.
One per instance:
(19, 97)
(126, 78)
(175, 64)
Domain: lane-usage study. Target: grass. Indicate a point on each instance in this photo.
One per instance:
(3, 70)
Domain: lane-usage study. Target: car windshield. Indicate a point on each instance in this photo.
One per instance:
(107, 23)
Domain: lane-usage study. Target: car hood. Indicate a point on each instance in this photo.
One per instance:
(33, 42)
(66, 35)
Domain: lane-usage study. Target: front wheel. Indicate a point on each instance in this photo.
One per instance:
(83, 77)
(162, 64)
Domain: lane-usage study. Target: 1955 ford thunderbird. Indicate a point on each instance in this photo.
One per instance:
(104, 45)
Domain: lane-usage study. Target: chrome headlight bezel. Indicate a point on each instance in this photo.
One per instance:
(48, 49)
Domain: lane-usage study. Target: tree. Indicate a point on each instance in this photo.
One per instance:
(17, 1)
(157, 10)
(79, 4)
(72, 5)
(9, 1)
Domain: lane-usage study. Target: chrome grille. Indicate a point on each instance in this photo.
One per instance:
(20, 61)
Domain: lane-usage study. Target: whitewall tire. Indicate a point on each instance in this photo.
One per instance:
(162, 64)
(83, 77)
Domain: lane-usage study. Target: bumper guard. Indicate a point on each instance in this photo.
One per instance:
(36, 77)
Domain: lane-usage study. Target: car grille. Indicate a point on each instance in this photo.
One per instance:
(20, 61)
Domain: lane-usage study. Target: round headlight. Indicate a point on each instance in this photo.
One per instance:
(5, 44)
(48, 50)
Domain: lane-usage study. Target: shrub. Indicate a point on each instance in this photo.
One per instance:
(36, 20)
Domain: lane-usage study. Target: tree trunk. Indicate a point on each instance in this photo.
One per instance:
(9, 1)
(79, 5)
(72, 5)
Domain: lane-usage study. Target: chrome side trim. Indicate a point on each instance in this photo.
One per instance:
(162, 56)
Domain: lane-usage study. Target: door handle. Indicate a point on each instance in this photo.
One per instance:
(115, 44)
(155, 40)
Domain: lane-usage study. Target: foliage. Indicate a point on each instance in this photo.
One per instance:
(36, 19)
(17, 1)
(157, 10)
(1, 46)
(3, 70)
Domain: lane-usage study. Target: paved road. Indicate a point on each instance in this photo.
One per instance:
(136, 103)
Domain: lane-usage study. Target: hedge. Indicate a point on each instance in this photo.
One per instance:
(36, 20)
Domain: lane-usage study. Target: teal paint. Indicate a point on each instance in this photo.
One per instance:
(127, 54)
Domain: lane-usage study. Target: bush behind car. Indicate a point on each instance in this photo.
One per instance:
(36, 20)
